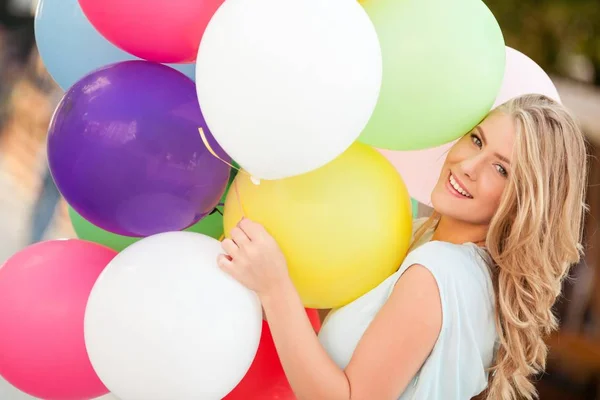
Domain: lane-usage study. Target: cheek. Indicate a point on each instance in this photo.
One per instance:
(490, 190)
(459, 152)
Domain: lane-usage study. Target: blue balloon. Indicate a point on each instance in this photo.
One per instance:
(71, 47)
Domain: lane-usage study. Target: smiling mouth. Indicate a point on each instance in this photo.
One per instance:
(457, 188)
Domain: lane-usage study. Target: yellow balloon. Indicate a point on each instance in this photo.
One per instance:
(344, 228)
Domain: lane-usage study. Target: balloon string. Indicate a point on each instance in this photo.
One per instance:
(235, 182)
(211, 151)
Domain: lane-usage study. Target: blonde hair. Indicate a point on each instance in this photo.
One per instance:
(533, 238)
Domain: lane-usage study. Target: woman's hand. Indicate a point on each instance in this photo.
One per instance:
(253, 258)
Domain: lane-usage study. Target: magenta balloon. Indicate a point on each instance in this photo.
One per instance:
(44, 290)
(125, 152)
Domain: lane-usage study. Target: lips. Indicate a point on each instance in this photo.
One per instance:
(458, 188)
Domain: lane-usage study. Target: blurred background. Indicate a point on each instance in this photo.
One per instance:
(563, 36)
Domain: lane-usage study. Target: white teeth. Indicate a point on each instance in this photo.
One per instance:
(458, 188)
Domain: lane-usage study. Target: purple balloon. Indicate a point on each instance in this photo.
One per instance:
(125, 152)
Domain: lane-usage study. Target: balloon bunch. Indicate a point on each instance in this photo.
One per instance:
(309, 98)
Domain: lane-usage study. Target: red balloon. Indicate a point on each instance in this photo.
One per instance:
(266, 380)
(155, 30)
(314, 318)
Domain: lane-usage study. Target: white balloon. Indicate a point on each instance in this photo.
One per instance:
(109, 396)
(164, 322)
(286, 86)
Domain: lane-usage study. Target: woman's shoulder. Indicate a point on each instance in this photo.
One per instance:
(445, 254)
(462, 269)
(464, 279)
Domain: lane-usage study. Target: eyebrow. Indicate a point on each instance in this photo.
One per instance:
(482, 133)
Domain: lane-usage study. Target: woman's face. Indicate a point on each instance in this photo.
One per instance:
(476, 171)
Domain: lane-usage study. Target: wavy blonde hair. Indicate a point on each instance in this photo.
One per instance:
(533, 238)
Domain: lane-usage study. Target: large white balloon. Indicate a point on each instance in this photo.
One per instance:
(286, 86)
(164, 322)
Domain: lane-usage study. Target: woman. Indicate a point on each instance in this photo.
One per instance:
(473, 297)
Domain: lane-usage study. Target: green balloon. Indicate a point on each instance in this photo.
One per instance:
(443, 65)
(87, 231)
(211, 225)
(415, 208)
(232, 175)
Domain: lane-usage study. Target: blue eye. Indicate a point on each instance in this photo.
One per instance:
(501, 170)
(475, 139)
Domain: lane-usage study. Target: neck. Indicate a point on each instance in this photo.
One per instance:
(458, 232)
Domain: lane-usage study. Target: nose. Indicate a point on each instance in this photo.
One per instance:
(470, 166)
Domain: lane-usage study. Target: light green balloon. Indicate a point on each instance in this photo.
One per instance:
(443, 65)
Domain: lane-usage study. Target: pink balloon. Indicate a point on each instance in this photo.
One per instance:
(421, 169)
(156, 30)
(43, 294)
(523, 76)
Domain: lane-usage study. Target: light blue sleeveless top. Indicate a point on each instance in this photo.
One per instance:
(457, 367)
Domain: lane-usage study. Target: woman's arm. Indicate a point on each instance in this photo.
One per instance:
(399, 339)
(310, 371)
(390, 353)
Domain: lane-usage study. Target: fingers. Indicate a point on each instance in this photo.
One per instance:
(254, 231)
(225, 263)
(228, 266)
(230, 247)
(239, 237)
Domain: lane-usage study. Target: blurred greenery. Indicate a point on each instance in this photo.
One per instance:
(552, 32)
